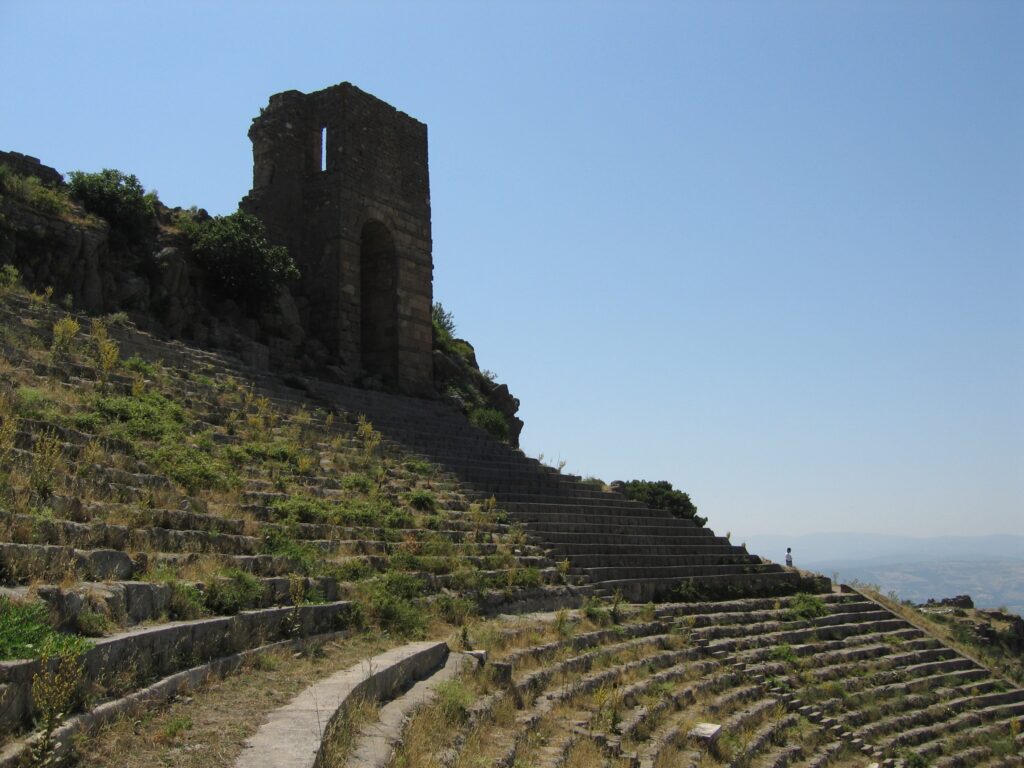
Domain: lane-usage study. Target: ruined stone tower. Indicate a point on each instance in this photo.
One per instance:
(340, 178)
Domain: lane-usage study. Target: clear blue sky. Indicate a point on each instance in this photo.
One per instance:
(771, 252)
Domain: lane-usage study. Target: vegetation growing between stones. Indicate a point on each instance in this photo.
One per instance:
(26, 631)
(136, 440)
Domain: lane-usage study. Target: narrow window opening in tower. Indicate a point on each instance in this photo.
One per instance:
(323, 148)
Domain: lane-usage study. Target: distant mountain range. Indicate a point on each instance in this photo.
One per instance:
(988, 568)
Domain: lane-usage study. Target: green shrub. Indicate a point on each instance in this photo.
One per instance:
(136, 364)
(491, 421)
(443, 321)
(240, 261)
(806, 607)
(147, 415)
(419, 467)
(784, 652)
(92, 623)
(10, 278)
(523, 577)
(189, 466)
(596, 611)
(393, 602)
(64, 332)
(304, 558)
(422, 500)
(455, 610)
(117, 197)
(353, 569)
(359, 483)
(186, 601)
(453, 701)
(661, 495)
(26, 632)
(301, 509)
(235, 592)
(33, 192)
(398, 518)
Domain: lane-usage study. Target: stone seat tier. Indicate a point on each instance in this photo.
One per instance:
(620, 528)
(598, 564)
(603, 573)
(573, 514)
(646, 589)
(740, 607)
(538, 509)
(579, 552)
(159, 650)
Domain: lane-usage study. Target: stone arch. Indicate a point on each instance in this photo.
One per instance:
(378, 302)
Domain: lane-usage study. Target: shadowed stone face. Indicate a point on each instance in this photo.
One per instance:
(340, 178)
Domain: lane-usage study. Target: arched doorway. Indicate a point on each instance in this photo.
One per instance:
(378, 303)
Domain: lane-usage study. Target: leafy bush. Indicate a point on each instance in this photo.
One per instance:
(393, 603)
(422, 500)
(148, 415)
(186, 601)
(10, 278)
(32, 191)
(136, 364)
(453, 701)
(34, 403)
(64, 332)
(236, 592)
(661, 495)
(805, 606)
(242, 264)
(443, 321)
(189, 466)
(26, 632)
(301, 509)
(454, 610)
(359, 483)
(117, 197)
(491, 421)
(304, 559)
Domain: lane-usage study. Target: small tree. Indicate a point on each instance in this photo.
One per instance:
(243, 265)
(444, 321)
(117, 197)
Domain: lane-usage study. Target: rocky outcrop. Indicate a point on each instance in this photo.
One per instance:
(457, 376)
(156, 282)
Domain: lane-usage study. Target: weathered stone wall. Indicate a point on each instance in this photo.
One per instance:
(340, 177)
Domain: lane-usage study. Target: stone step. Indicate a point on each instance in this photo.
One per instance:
(621, 528)
(612, 553)
(612, 573)
(642, 590)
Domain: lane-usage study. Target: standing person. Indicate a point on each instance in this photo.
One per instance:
(789, 557)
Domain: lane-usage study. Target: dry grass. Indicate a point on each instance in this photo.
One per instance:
(344, 731)
(220, 715)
